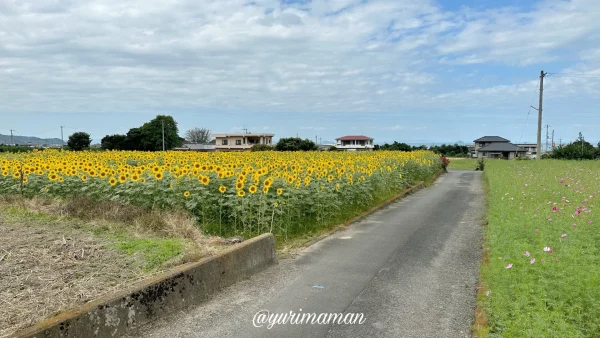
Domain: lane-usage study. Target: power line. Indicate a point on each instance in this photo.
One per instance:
(529, 110)
(576, 75)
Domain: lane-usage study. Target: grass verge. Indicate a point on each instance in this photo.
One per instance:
(463, 163)
(543, 248)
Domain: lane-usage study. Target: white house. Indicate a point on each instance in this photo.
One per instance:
(241, 141)
(354, 143)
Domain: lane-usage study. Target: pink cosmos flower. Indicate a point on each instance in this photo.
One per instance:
(532, 261)
(526, 254)
(487, 293)
(508, 266)
(589, 222)
(554, 208)
(574, 225)
(563, 235)
(548, 249)
(537, 230)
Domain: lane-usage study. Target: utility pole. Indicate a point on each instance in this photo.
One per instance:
(552, 139)
(61, 135)
(539, 109)
(560, 142)
(547, 137)
(12, 142)
(163, 133)
(316, 139)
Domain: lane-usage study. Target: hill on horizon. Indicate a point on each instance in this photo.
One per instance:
(25, 140)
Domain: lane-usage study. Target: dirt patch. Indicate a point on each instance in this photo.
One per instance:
(47, 268)
(51, 261)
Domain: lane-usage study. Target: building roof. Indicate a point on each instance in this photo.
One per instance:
(491, 139)
(500, 146)
(354, 137)
(242, 134)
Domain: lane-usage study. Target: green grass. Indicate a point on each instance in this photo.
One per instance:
(463, 163)
(155, 251)
(558, 295)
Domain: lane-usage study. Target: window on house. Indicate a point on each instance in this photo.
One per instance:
(238, 142)
(224, 142)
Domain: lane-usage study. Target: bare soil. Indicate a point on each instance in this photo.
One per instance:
(47, 268)
(51, 262)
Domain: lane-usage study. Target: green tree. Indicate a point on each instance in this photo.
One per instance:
(578, 150)
(152, 134)
(114, 142)
(79, 141)
(262, 147)
(134, 140)
(295, 144)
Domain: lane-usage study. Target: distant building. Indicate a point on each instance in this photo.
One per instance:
(354, 143)
(196, 147)
(530, 149)
(241, 141)
(497, 147)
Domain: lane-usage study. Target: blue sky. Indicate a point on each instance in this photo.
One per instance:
(413, 71)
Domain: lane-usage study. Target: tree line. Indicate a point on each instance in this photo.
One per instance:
(579, 149)
(148, 137)
(450, 150)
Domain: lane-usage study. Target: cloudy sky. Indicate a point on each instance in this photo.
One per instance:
(406, 70)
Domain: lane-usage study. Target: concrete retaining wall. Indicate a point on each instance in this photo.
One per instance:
(183, 286)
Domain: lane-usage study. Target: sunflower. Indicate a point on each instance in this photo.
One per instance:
(252, 189)
(186, 194)
(25, 179)
(279, 191)
(222, 189)
(205, 180)
(265, 190)
(159, 176)
(122, 178)
(241, 193)
(239, 185)
(112, 181)
(83, 178)
(135, 177)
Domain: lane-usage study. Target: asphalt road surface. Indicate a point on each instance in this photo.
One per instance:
(410, 269)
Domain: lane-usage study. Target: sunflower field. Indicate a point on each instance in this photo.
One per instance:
(241, 193)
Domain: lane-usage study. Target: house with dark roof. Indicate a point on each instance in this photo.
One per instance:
(354, 143)
(497, 147)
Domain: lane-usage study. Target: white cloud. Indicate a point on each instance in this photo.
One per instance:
(319, 56)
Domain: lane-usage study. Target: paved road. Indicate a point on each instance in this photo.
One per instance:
(410, 269)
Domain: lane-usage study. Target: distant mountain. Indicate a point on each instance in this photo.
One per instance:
(24, 140)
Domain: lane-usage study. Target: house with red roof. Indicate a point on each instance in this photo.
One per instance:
(354, 143)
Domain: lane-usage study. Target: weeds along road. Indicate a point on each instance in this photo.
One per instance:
(411, 270)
